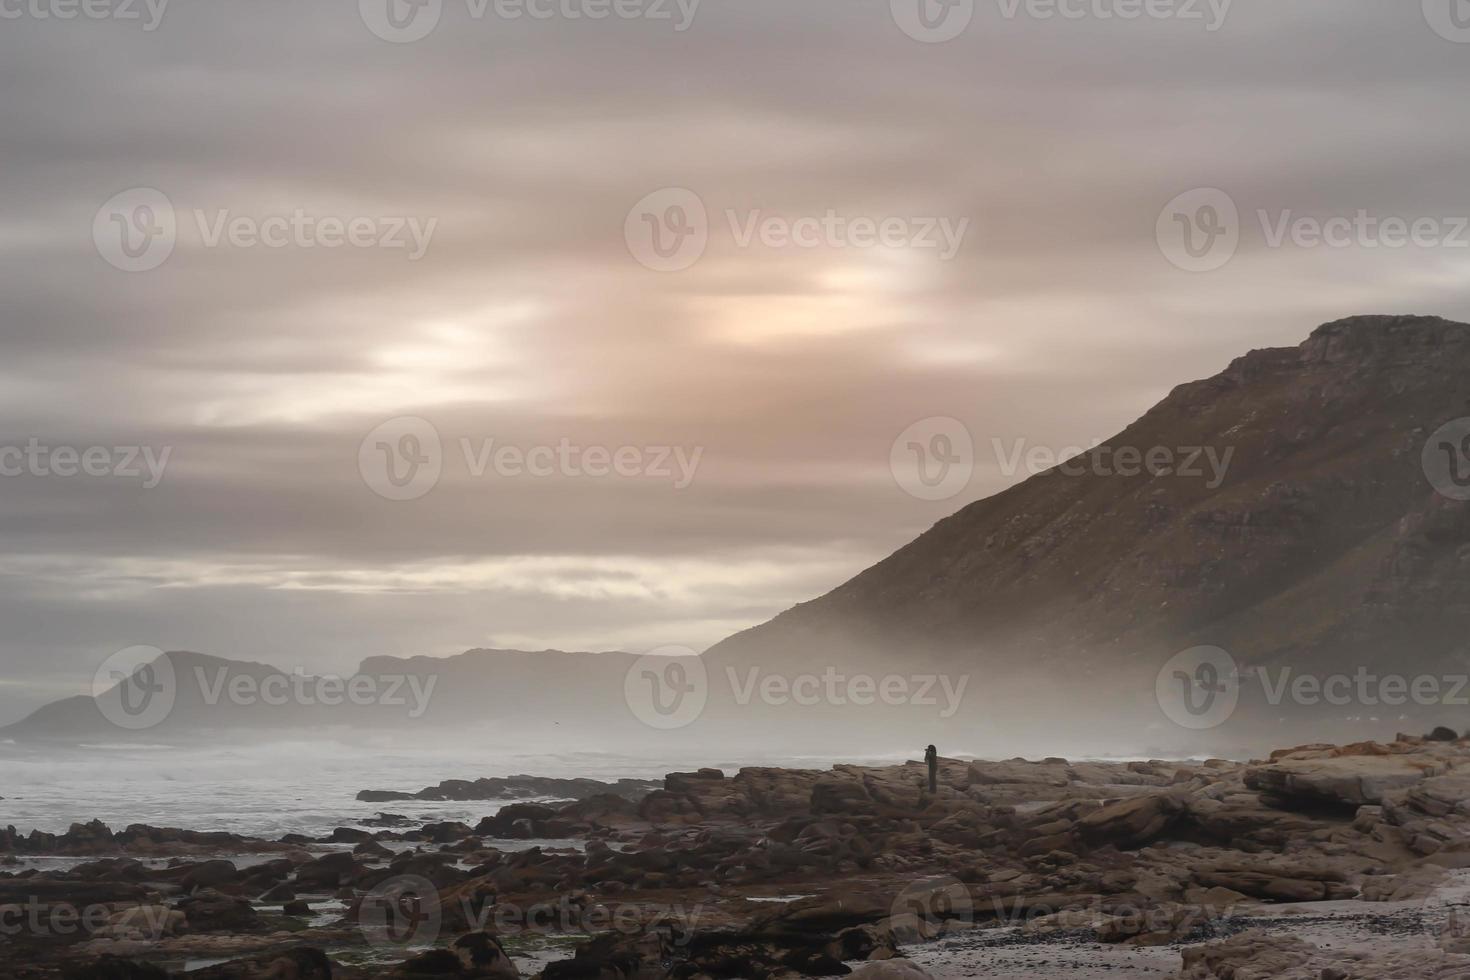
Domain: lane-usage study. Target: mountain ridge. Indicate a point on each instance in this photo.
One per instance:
(1324, 546)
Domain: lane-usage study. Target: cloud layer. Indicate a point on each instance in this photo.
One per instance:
(529, 321)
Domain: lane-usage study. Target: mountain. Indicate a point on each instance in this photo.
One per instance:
(1299, 511)
(180, 695)
(1324, 548)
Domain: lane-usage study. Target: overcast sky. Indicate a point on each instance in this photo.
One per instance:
(532, 309)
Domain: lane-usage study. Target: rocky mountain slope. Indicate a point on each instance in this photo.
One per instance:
(1324, 548)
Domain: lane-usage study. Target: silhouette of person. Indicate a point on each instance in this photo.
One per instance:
(931, 756)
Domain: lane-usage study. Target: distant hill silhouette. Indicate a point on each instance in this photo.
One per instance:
(1322, 546)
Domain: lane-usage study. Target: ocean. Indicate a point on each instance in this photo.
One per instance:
(304, 787)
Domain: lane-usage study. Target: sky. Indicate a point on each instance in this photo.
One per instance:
(332, 330)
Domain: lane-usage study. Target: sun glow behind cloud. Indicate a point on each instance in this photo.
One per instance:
(467, 359)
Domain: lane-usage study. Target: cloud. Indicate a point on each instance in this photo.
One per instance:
(528, 321)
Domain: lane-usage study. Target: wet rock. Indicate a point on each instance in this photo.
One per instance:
(372, 849)
(517, 821)
(210, 874)
(477, 954)
(327, 872)
(113, 968)
(302, 963)
(347, 835)
(143, 922)
(518, 788)
(210, 911)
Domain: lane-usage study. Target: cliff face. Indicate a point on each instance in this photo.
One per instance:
(1320, 543)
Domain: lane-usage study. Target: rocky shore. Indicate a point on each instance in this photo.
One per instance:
(517, 787)
(1319, 863)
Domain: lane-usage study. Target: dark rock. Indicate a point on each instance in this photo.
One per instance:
(210, 911)
(113, 968)
(518, 787)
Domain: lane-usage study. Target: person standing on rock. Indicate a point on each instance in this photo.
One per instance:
(931, 756)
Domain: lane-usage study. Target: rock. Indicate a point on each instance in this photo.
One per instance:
(1250, 956)
(280, 893)
(841, 796)
(484, 956)
(1440, 796)
(302, 963)
(327, 872)
(612, 956)
(1442, 734)
(348, 835)
(477, 954)
(894, 969)
(144, 923)
(210, 874)
(77, 894)
(1131, 823)
(1278, 883)
(372, 849)
(443, 833)
(388, 820)
(516, 821)
(1347, 781)
(114, 968)
(518, 788)
(209, 911)
(827, 913)
(1257, 955)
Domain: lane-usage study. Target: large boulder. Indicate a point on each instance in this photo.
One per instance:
(1280, 881)
(1132, 823)
(1441, 796)
(1346, 781)
(210, 874)
(210, 911)
(478, 954)
(1353, 777)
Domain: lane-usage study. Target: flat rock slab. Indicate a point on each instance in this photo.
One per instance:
(1354, 780)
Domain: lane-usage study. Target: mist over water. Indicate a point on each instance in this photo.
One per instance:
(267, 789)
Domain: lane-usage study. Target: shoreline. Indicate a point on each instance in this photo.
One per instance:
(1084, 869)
